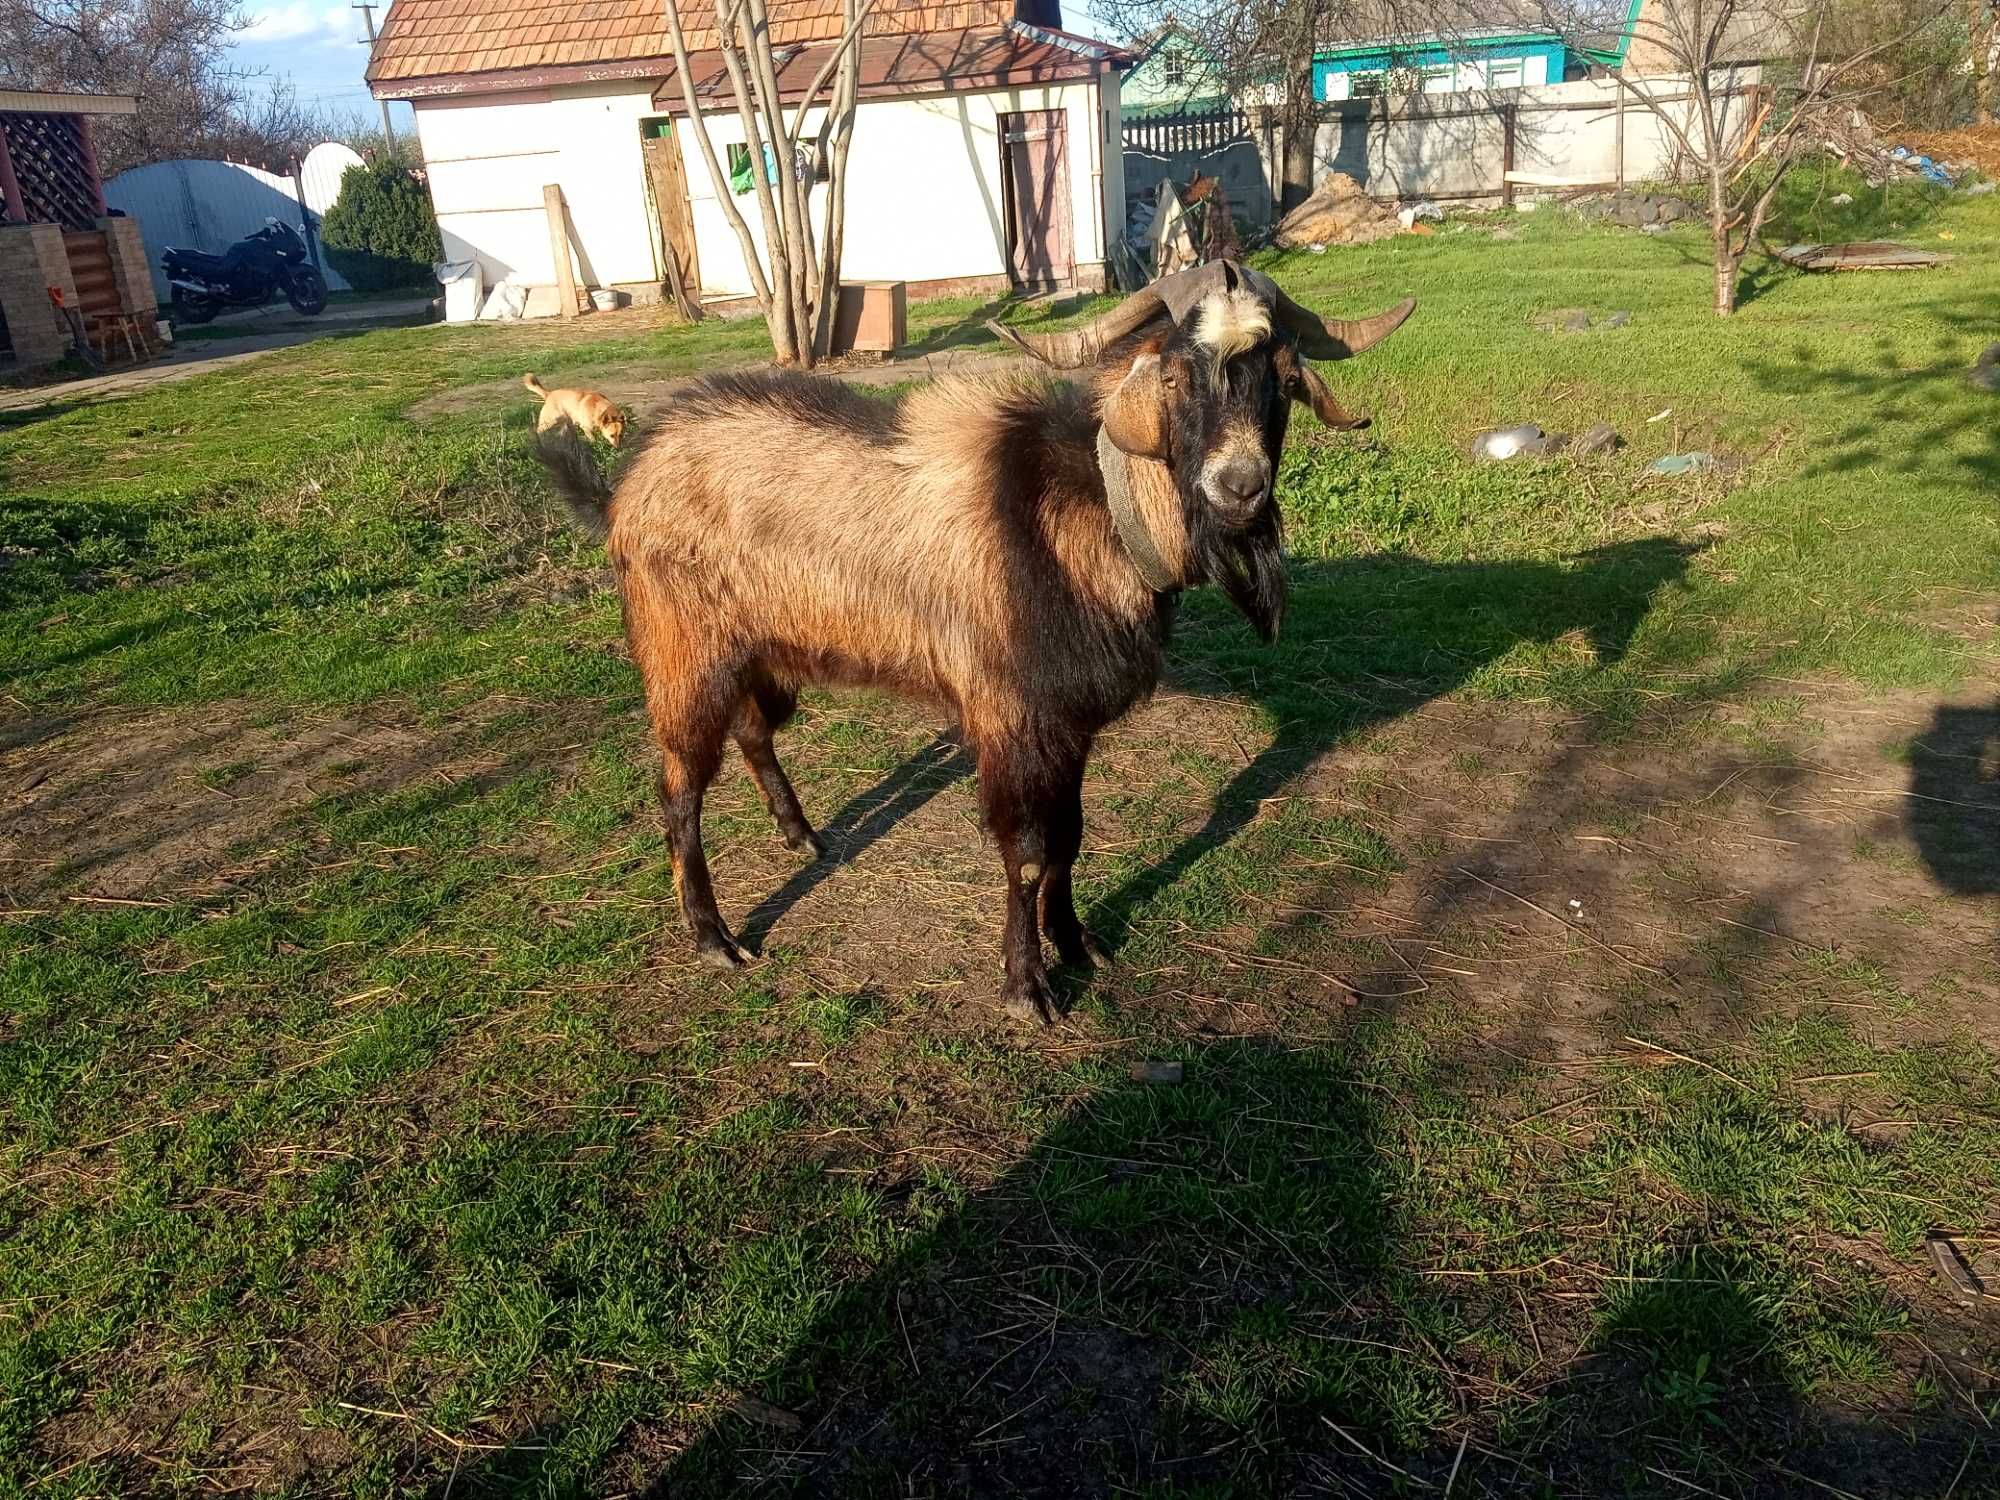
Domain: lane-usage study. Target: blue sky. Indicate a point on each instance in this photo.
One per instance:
(317, 43)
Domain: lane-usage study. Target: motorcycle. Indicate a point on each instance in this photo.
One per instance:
(274, 259)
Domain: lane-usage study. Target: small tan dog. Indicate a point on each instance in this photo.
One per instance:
(591, 414)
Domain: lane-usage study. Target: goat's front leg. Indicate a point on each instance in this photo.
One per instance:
(1075, 943)
(1019, 797)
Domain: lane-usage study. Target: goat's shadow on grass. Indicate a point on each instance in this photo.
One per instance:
(1373, 638)
(860, 823)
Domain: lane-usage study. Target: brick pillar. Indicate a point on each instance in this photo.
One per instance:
(32, 260)
(130, 268)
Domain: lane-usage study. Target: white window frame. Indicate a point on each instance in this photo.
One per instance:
(1516, 66)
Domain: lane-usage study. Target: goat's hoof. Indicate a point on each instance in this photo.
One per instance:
(724, 953)
(806, 842)
(1029, 998)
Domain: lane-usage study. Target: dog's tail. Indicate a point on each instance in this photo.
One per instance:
(574, 472)
(535, 385)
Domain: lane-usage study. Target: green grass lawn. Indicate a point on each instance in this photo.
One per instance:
(1579, 935)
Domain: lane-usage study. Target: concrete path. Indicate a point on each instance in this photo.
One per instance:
(264, 329)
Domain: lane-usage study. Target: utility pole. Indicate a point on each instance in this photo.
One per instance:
(388, 133)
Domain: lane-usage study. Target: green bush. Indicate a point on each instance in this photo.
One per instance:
(381, 233)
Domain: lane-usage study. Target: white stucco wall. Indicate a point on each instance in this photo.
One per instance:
(923, 199)
(924, 193)
(490, 155)
(1457, 146)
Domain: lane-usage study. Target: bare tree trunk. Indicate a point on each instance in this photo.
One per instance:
(758, 286)
(846, 99)
(778, 312)
(1300, 121)
(796, 288)
(796, 221)
(1982, 22)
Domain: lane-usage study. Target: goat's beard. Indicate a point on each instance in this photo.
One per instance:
(1248, 564)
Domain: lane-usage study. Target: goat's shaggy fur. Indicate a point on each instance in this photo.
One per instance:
(778, 530)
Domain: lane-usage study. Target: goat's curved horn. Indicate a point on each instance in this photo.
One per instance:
(1339, 338)
(1077, 347)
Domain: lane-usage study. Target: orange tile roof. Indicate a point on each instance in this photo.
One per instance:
(427, 39)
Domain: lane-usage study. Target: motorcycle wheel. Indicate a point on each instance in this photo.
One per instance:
(192, 307)
(307, 291)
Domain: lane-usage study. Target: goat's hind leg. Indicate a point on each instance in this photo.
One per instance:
(687, 765)
(690, 697)
(763, 712)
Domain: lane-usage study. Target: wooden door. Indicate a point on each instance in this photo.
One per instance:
(668, 181)
(1037, 181)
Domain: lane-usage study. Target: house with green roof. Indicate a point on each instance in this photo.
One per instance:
(1429, 63)
(1175, 75)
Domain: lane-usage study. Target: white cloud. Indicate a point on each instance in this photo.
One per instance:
(303, 21)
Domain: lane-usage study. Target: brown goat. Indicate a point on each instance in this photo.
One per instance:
(1010, 548)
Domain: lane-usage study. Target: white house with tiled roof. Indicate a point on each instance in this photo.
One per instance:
(985, 151)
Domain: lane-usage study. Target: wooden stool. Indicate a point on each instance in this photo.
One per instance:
(102, 328)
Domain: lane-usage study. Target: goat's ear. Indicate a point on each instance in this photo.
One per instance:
(1135, 413)
(1305, 387)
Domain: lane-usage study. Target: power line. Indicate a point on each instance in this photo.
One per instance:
(388, 130)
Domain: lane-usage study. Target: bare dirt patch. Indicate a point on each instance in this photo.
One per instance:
(137, 804)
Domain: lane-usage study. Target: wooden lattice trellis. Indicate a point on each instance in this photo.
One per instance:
(53, 167)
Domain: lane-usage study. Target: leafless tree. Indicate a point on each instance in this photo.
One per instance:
(172, 53)
(1261, 51)
(796, 280)
(1742, 158)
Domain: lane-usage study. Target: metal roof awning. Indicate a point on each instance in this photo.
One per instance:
(52, 102)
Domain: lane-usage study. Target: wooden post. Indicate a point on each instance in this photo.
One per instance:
(552, 204)
(89, 148)
(1509, 113)
(10, 188)
(1620, 146)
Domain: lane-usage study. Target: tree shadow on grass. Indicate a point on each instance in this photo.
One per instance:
(1904, 418)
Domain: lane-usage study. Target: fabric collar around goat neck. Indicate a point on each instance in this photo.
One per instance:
(1133, 534)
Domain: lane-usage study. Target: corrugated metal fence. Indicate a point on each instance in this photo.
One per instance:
(210, 205)
(1214, 143)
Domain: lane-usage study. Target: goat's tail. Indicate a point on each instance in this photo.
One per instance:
(535, 385)
(574, 471)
